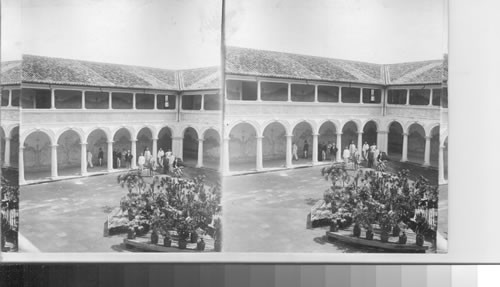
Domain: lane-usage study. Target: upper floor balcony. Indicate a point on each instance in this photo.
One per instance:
(287, 98)
(59, 106)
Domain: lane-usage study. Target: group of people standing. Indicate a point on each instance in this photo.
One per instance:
(165, 160)
(370, 154)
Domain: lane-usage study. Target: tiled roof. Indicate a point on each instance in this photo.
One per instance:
(252, 62)
(10, 73)
(198, 79)
(38, 69)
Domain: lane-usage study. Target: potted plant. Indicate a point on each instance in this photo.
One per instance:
(333, 226)
(194, 237)
(183, 230)
(200, 246)
(396, 230)
(154, 237)
(402, 238)
(369, 233)
(167, 241)
(131, 233)
(356, 231)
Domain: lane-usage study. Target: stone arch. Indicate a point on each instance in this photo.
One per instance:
(434, 133)
(232, 125)
(122, 140)
(195, 128)
(96, 141)
(130, 130)
(144, 137)
(274, 144)
(107, 133)
(69, 152)
(211, 148)
(350, 133)
(335, 123)
(327, 131)
(37, 154)
(14, 145)
(243, 145)
(395, 139)
(190, 145)
(416, 142)
(211, 129)
(78, 131)
(49, 133)
(286, 125)
(2, 145)
(152, 130)
(311, 123)
(370, 129)
(165, 135)
(303, 137)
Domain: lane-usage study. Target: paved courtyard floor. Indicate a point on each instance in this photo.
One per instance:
(267, 212)
(69, 215)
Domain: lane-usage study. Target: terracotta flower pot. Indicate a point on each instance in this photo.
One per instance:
(396, 230)
(167, 242)
(356, 231)
(131, 234)
(182, 243)
(384, 236)
(194, 237)
(154, 238)
(200, 246)
(403, 238)
(369, 235)
(334, 227)
(420, 240)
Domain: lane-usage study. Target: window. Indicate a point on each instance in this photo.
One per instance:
(444, 99)
(372, 96)
(350, 95)
(36, 99)
(68, 99)
(436, 97)
(241, 90)
(5, 98)
(144, 101)
(328, 94)
(420, 97)
(166, 102)
(302, 93)
(191, 102)
(96, 100)
(15, 95)
(396, 97)
(122, 100)
(211, 102)
(274, 91)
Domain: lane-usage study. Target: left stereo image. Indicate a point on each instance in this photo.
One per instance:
(111, 127)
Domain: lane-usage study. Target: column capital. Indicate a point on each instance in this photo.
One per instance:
(154, 139)
(226, 138)
(110, 142)
(21, 148)
(7, 138)
(382, 132)
(338, 134)
(360, 133)
(83, 143)
(289, 136)
(428, 137)
(177, 138)
(259, 137)
(316, 134)
(54, 145)
(133, 140)
(405, 134)
(201, 140)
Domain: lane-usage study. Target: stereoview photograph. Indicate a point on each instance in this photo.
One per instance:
(120, 132)
(335, 124)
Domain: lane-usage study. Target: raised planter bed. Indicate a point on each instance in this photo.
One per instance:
(143, 244)
(392, 245)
